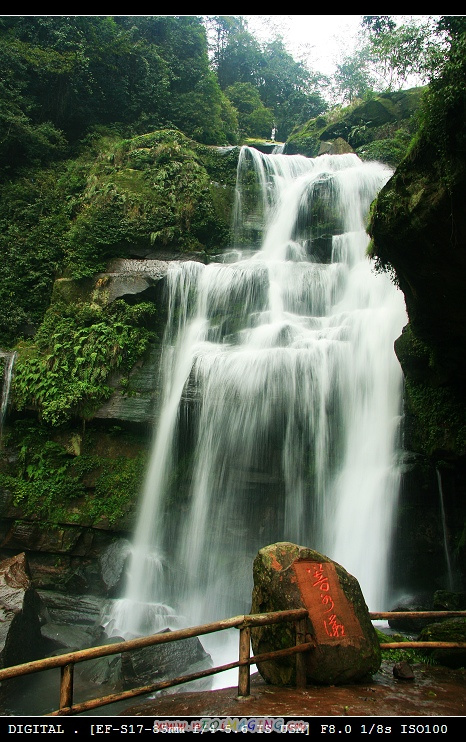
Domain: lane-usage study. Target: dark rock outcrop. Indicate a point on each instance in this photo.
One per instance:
(450, 630)
(167, 661)
(403, 671)
(20, 637)
(411, 604)
(346, 645)
(418, 231)
(67, 557)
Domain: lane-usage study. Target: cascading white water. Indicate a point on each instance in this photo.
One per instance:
(443, 520)
(281, 400)
(7, 378)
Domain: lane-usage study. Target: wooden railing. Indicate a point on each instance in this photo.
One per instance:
(244, 623)
(418, 615)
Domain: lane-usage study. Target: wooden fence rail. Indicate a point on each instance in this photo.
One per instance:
(66, 662)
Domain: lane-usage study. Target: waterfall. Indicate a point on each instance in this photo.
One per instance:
(444, 531)
(281, 399)
(7, 377)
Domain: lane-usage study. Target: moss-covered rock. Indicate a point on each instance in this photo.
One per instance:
(148, 193)
(450, 630)
(380, 128)
(418, 231)
(418, 228)
(346, 644)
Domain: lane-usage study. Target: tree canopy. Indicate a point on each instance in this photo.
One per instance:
(392, 53)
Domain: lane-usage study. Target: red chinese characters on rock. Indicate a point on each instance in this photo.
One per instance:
(332, 625)
(332, 615)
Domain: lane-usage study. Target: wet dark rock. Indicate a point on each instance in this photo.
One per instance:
(62, 558)
(102, 670)
(20, 637)
(71, 610)
(403, 671)
(164, 661)
(112, 563)
(449, 630)
(411, 603)
(68, 638)
(446, 600)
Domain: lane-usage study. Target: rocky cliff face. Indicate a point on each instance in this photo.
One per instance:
(418, 228)
(70, 482)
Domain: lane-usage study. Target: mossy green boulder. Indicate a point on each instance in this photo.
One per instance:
(346, 644)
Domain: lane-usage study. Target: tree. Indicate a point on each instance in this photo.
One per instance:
(353, 77)
(240, 57)
(219, 28)
(289, 88)
(255, 120)
(400, 52)
(135, 72)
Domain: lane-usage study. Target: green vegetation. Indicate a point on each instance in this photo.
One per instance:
(442, 130)
(264, 83)
(410, 654)
(440, 419)
(150, 191)
(153, 191)
(65, 371)
(62, 479)
(388, 53)
(380, 127)
(33, 226)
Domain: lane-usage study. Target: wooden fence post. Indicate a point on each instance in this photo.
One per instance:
(301, 656)
(66, 686)
(244, 679)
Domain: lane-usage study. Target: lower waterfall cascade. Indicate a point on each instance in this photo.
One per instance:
(281, 400)
(5, 396)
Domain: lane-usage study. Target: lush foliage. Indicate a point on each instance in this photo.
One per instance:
(33, 224)
(445, 104)
(253, 117)
(65, 371)
(288, 90)
(151, 191)
(390, 55)
(52, 476)
(410, 654)
(66, 74)
(115, 196)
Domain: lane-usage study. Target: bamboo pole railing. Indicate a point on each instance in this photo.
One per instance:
(66, 662)
(244, 623)
(419, 614)
(386, 615)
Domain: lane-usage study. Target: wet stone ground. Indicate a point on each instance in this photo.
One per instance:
(435, 691)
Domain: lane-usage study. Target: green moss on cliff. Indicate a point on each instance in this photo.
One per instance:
(71, 476)
(380, 128)
(116, 198)
(440, 421)
(64, 373)
(144, 193)
(437, 415)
